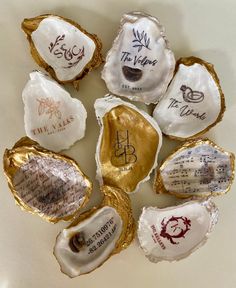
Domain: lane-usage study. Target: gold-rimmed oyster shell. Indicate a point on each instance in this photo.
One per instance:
(173, 233)
(45, 183)
(96, 235)
(194, 101)
(62, 47)
(197, 168)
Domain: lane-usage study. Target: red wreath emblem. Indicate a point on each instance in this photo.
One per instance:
(174, 228)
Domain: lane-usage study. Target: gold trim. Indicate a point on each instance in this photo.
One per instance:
(29, 25)
(189, 61)
(120, 201)
(14, 158)
(158, 184)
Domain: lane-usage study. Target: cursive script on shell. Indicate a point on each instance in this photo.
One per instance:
(72, 55)
(186, 110)
(142, 60)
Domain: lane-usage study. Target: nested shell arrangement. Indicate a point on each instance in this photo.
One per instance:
(139, 66)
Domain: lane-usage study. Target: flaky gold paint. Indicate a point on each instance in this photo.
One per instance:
(119, 200)
(143, 137)
(189, 61)
(29, 25)
(14, 158)
(159, 187)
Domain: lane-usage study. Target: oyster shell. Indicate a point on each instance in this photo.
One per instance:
(52, 117)
(174, 233)
(62, 47)
(197, 168)
(140, 64)
(128, 144)
(45, 183)
(194, 101)
(96, 235)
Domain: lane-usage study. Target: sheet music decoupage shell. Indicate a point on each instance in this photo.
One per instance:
(197, 168)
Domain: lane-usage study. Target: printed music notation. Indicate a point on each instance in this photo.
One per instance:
(198, 172)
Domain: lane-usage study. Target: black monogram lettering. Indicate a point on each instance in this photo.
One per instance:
(73, 55)
(123, 150)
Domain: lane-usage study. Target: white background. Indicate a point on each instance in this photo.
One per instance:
(203, 28)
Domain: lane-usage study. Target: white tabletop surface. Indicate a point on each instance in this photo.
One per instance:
(201, 28)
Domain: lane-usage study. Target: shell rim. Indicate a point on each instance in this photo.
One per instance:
(158, 185)
(189, 61)
(31, 146)
(95, 61)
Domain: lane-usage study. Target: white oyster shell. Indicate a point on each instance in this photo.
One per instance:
(100, 232)
(193, 102)
(198, 168)
(140, 64)
(120, 172)
(54, 33)
(174, 233)
(52, 117)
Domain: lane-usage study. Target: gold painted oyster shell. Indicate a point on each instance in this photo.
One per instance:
(173, 233)
(62, 47)
(128, 144)
(45, 183)
(197, 168)
(194, 101)
(96, 235)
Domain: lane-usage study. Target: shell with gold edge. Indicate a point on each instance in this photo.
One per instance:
(62, 47)
(96, 235)
(198, 168)
(45, 183)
